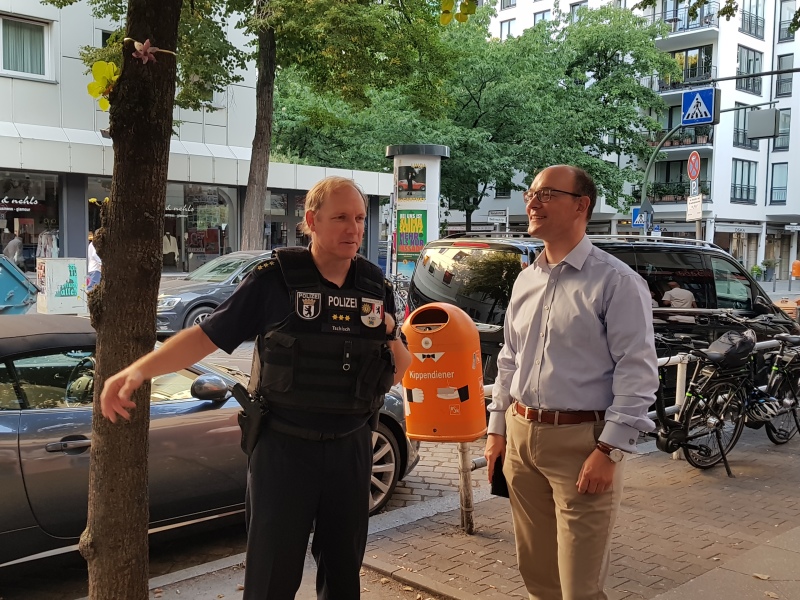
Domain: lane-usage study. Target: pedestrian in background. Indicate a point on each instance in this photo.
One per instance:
(94, 265)
(576, 376)
(325, 339)
(13, 250)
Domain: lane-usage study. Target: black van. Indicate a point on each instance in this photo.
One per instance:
(476, 272)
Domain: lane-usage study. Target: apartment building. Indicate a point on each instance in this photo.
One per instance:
(54, 158)
(751, 188)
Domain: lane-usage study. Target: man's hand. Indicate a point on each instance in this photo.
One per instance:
(495, 446)
(116, 396)
(597, 474)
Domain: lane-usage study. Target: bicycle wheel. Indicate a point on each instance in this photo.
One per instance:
(720, 408)
(783, 427)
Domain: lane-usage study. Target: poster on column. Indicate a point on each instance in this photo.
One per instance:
(411, 236)
(412, 182)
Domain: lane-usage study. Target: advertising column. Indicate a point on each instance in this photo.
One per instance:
(416, 206)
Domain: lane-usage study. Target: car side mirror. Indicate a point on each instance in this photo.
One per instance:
(762, 306)
(210, 387)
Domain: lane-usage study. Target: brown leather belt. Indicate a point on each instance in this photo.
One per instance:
(557, 417)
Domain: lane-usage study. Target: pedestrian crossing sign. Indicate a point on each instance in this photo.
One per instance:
(698, 107)
(639, 218)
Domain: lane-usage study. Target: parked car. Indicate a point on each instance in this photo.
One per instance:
(187, 301)
(476, 272)
(197, 468)
(417, 186)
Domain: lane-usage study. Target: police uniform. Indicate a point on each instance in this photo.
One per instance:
(318, 363)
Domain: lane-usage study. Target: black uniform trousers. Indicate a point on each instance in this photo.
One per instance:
(293, 485)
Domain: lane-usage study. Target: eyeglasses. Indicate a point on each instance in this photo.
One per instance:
(545, 195)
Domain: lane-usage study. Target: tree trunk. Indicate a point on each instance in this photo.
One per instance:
(123, 307)
(467, 219)
(257, 191)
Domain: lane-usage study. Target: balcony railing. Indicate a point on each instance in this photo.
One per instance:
(743, 193)
(693, 77)
(671, 192)
(783, 32)
(751, 84)
(781, 143)
(685, 136)
(741, 140)
(783, 86)
(752, 24)
(680, 21)
(777, 195)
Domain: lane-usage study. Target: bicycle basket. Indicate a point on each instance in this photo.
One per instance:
(735, 346)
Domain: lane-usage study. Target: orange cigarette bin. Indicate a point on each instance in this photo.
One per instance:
(444, 385)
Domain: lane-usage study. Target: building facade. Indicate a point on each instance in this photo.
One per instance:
(750, 188)
(56, 166)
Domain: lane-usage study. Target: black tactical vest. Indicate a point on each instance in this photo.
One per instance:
(330, 354)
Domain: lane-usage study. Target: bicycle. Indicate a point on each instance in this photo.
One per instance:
(400, 285)
(781, 416)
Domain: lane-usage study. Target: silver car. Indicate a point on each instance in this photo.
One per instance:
(197, 468)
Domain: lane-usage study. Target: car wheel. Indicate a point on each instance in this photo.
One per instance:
(385, 468)
(197, 316)
(422, 188)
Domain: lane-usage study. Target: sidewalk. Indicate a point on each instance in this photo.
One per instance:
(681, 534)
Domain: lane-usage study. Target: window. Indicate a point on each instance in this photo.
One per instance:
(749, 62)
(60, 380)
(506, 29)
(780, 179)
(8, 396)
(784, 121)
(23, 47)
(574, 8)
(787, 13)
(685, 268)
(740, 138)
(544, 15)
(504, 4)
(783, 85)
(104, 37)
(732, 286)
(695, 62)
(752, 18)
(172, 386)
(502, 191)
(743, 181)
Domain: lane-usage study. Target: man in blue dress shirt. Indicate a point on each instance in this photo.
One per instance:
(576, 376)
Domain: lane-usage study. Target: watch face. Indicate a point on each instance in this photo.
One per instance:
(616, 455)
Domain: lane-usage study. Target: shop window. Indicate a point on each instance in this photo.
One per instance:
(24, 47)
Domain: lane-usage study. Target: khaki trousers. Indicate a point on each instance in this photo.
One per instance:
(562, 537)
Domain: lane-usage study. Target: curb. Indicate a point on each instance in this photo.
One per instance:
(416, 580)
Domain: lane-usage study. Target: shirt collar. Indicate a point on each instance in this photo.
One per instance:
(576, 258)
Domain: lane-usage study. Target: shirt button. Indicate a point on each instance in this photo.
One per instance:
(546, 307)
(541, 335)
(538, 362)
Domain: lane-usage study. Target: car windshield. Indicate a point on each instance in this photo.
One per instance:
(218, 270)
(476, 279)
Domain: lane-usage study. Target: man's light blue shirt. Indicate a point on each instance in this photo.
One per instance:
(579, 336)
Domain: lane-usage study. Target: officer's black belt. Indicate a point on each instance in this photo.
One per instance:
(306, 434)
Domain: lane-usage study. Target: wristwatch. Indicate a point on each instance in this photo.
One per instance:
(615, 455)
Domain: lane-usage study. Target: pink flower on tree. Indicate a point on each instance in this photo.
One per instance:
(145, 51)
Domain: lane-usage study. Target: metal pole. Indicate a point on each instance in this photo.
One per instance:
(680, 393)
(650, 166)
(465, 487)
(698, 229)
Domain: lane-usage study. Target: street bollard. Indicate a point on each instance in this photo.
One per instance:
(774, 282)
(465, 488)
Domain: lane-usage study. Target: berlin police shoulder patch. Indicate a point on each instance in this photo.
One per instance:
(308, 305)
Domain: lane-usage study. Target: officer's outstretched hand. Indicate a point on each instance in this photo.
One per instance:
(115, 400)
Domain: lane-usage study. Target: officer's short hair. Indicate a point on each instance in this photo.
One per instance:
(322, 189)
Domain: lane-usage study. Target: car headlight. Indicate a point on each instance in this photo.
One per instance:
(167, 303)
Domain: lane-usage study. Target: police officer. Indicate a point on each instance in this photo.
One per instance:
(325, 339)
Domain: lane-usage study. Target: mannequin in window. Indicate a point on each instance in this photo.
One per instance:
(170, 250)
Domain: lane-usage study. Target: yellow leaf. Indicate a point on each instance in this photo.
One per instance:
(104, 104)
(95, 89)
(760, 576)
(445, 18)
(447, 5)
(771, 595)
(461, 17)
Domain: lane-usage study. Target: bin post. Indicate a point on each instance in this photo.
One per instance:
(465, 488)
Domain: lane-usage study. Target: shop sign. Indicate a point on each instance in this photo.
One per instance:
(26, 201)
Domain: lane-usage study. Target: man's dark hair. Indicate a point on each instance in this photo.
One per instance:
(584, 185)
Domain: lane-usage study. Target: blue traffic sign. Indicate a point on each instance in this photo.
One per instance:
(697, 107)
(638, 219)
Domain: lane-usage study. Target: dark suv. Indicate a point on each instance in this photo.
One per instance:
(476, 272)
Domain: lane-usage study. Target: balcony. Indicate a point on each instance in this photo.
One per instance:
(751, 85)
(743, 194)
(783, 32)
(781, 143)
(777, 195)
(690, 78)
(740, 140)
(679, 20)
(672, 192)
(783, 85)
(699, 135)
(752, 24)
